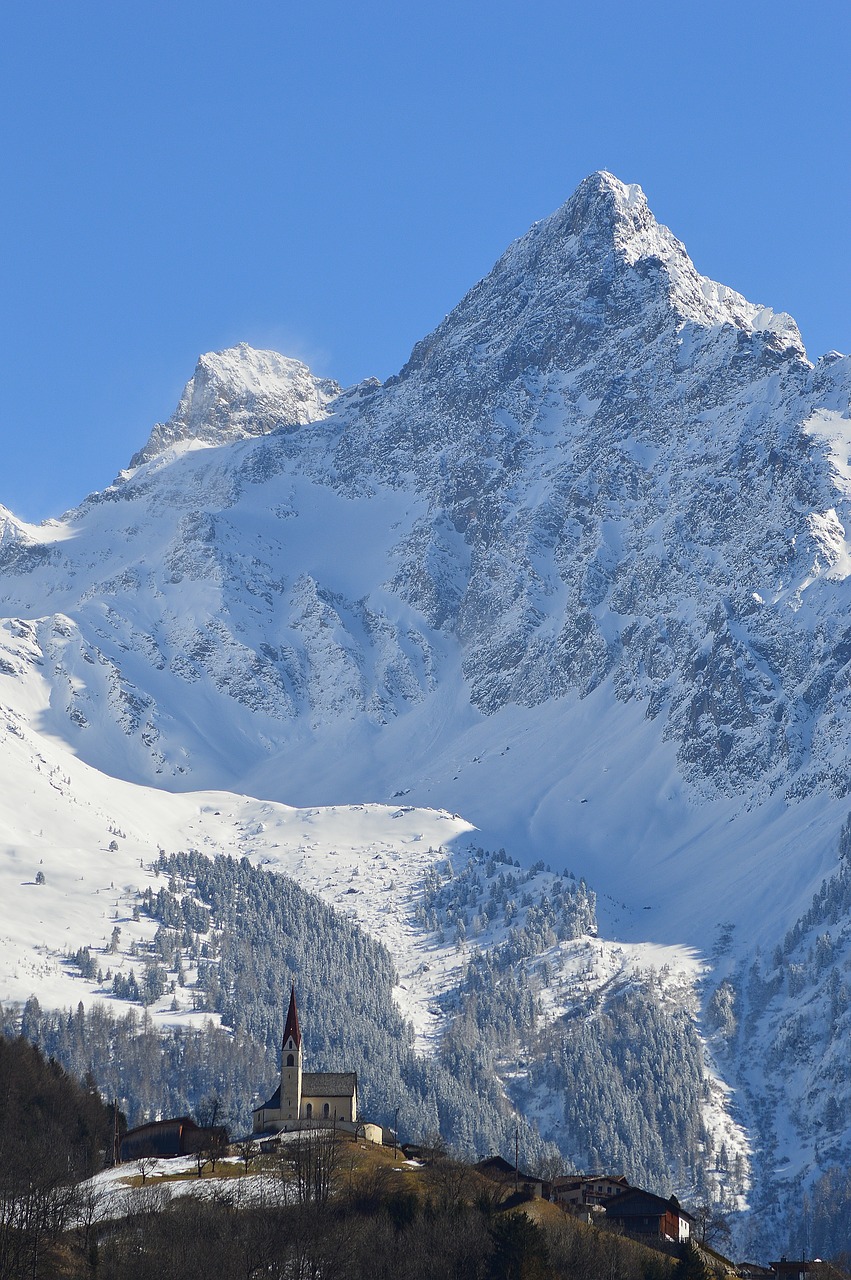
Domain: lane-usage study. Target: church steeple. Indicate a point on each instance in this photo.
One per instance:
(292, 1031)
(291, 1068)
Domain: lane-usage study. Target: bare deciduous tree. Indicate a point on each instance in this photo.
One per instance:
(248, 1151)
(315, 1155)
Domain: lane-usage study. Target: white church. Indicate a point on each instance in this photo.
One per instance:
(307, 1098)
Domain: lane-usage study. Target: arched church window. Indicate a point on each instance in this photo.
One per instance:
(310, 1110)
(290, 1060)
(326, 1110)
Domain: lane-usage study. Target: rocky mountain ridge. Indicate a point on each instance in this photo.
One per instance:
(606, 474)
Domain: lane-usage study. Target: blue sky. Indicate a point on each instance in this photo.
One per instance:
(329, 179)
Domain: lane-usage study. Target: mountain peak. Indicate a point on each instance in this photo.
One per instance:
(241, 392)
(604, 204)
(598, 267)
(602, 191)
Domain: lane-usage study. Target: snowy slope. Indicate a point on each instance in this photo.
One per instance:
(579, 573)
(94, 840)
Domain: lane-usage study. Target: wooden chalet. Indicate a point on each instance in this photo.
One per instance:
(577, 1189)
(641, 1213)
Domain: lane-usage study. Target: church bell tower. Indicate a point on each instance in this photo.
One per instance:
(291, 1065)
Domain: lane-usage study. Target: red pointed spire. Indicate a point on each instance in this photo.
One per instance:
(291, 1027)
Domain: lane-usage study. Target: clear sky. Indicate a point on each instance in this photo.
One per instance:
(330, 178)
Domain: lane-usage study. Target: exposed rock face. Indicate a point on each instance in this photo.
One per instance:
(616, 468)
(600, 467)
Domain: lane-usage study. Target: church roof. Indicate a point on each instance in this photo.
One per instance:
(274, 1103)
(329, 1084)
(319, 1084)
(291, 1027)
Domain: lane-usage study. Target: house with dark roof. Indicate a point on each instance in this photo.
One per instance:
(308, 1097)
(641, 1213)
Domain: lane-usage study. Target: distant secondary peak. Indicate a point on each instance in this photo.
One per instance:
(241, 392)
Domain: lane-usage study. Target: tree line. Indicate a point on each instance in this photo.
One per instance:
(54, 1132)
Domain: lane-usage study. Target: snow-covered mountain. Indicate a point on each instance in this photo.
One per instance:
(579, 573)
(241, 393)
